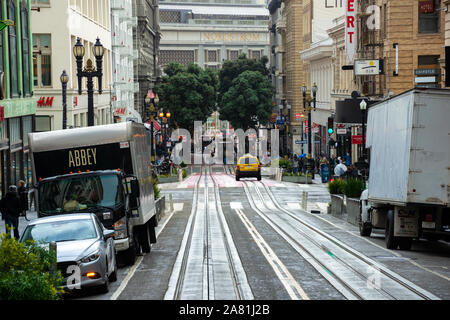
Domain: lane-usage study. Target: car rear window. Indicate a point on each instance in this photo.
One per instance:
(248, 161)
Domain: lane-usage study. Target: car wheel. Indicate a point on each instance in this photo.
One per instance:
(258, 177)
(144, 238)
(113, 275)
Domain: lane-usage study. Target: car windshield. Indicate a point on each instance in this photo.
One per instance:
(79, 193)
(70, 230)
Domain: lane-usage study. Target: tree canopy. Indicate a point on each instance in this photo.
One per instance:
(231, 69)
(189, 93)
(248, 101)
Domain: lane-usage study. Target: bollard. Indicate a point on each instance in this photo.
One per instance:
(305, 200)
(180, 175)
(171, 202)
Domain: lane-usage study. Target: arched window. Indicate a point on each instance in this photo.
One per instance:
(25, 48)
(14, 87)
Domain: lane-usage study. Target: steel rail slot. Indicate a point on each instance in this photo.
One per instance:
(397, 278)
(182, 272)
(323, 247)
(208, 288)
(241, 293)
(320, 267)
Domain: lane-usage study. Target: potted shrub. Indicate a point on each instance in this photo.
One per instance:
(28, 271)
(353, 189)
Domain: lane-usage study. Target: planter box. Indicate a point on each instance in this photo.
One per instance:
(337, 205)
(167, 179)
(353, 210)
(300, 179)
(160, 206)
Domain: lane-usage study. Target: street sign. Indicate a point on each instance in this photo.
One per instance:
(368, 67)
(300, 142)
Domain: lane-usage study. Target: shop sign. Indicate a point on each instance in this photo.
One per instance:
(120, 111)
(350, 30)
(368, 67)
(426, 6)
(341, 131)
(357, 139)
(45, 102)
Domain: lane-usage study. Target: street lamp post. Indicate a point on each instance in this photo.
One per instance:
(151, 103)
(64, 79)
(90, 73)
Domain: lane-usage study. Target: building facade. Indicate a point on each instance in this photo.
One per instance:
(17, 104)
(210, 32)
(56, 27)
(146, 37)
(124, 54)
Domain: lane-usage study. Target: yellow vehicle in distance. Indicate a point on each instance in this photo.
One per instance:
(248, 166)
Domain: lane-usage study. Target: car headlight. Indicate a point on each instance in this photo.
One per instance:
(91, 257)
(120, 229)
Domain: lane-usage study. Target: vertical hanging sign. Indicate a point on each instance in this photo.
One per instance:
(350, 30)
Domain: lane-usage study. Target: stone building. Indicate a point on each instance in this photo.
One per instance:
(210, 32)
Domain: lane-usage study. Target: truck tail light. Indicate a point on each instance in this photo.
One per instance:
(429, 217)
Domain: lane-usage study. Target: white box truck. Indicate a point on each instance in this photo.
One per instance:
(101, 169)
(409, 181)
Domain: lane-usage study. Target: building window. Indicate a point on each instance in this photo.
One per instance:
(25, 49)
(429, 16)
(14, 81)
(183, 57)
(42, 60)
(40, 2)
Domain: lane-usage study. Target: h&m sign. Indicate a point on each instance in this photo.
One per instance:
(45, 102)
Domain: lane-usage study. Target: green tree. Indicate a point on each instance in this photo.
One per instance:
(231, 69)
(248, 101)
(189, 93)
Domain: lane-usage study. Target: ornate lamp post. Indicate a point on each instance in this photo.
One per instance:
(64, 79)
(89, 72)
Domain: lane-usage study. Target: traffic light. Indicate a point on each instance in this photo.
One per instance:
(330, 125)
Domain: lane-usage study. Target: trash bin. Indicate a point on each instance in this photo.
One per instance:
(325, 172)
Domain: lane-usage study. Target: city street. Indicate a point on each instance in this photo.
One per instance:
(228, 239)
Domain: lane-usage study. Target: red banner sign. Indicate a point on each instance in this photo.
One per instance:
(2, 113)
(357, 139)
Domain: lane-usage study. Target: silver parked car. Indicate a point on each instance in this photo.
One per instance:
(86, 254)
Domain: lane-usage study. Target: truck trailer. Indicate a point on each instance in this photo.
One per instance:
(408, 192)
(101, 169)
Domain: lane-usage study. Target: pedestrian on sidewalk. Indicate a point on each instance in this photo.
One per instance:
(10, 207)
(23, 196)
(340, 169)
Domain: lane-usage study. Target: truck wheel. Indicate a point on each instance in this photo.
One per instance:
(237, 177)
(405, 243)
(391, 241)
(365, 229)
(144, 238)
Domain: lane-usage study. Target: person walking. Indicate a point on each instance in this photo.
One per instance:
(340, 169)
(23, 196)
(11, 207)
